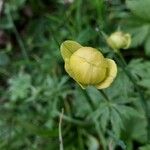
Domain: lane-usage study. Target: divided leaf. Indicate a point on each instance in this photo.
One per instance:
(139, 8)
(138, 23)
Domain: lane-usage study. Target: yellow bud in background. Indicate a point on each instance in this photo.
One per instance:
(87, 66)
(119, 40)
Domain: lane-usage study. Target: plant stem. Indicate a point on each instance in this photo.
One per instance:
(98, 129)
(101, 136)
(74, 121)
(104, 95)
(60, 133)
(80, 139)
(88, 98)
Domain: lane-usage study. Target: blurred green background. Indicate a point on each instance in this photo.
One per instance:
(34, 86)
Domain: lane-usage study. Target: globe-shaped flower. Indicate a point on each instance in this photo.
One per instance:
(119, 40)
(87, 66)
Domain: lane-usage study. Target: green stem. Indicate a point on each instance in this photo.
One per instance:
(74, 121)
(88, 98)
(98, 129)
(122, 58)
(101, 136)
(60, 131)
(123, 65)
(80, 139)
(104, 95)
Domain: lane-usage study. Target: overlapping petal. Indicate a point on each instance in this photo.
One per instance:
(68, 47)
(111, 74)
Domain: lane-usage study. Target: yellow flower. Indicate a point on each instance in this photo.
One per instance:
(87, 66)
(119, 40)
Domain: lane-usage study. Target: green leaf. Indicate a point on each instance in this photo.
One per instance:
(92, 143)
(123, 86)
(139, 8)
(140, 70)
(4, 59)
(147, 46)
(145, 83)
(99, 111)
(139, 35)
(135, 129)
(145, 147)
(105, 119)
(88, 33)
(40, 131)
(5, 23)
(19, 86)
(138, 23)
(127, 111)
(116, 122)
(16, 4)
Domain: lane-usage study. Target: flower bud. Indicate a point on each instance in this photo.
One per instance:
(87, 66)
(119, 40)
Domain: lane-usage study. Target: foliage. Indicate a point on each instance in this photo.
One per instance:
(34, 86)
(138, 23)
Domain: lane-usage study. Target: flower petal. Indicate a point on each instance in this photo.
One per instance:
(112, 72)
(128, 39)
(67, 68)
(70, 72)
(82, 86)
(68, 48)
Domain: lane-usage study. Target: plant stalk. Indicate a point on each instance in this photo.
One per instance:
(60, 132)
(98, 129)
